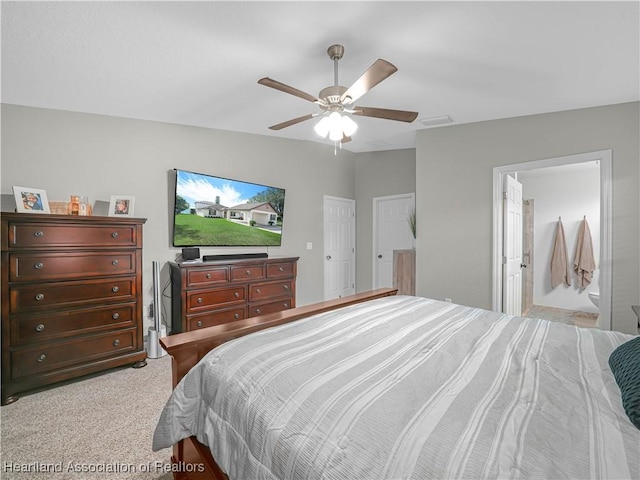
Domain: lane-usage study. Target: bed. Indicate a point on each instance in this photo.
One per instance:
(381, 386)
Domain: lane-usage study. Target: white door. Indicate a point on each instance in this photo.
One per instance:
(339, 247)
(512, 247)
(391, 232)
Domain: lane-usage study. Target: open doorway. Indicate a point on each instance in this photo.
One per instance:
(539, 228)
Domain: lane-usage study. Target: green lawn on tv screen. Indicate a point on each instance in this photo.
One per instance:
(195, 230)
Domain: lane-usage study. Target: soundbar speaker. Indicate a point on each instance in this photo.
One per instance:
(234, 256)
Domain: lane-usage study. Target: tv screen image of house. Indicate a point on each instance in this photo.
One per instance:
(216, 211)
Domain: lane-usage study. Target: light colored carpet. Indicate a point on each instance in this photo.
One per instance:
(97, 428)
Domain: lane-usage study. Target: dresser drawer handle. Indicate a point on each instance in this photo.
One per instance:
(114, 234)
(199, 300)
(258, 311)
(39, 327)
(39, 265)
(40, 296)
(286, 286)
(115, 289)
(236, 294)
(257, 290)
(38, 234)
(42, 357)
(199, 323)
(208, 275)
(116, 342)
(115, 315)
(280, 269)
(248, 272)
(236, 316)
(115, 262)
(286, 305)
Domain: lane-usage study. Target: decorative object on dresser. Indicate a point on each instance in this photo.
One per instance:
(404, 271)
(190, 253)
(215, 292)
(31, 200)
(121, 206)
(71, 298)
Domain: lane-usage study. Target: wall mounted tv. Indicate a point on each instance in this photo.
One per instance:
(214, 211)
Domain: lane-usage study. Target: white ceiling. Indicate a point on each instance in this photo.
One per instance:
(197, 63)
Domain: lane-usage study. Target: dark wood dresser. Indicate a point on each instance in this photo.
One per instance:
(211, 293)
(71, 298)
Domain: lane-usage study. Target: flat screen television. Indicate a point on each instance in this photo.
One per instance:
(214, 211)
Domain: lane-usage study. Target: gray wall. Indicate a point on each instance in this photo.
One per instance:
(378, 174)
(454, 168)
(450, 171)
(74, 153)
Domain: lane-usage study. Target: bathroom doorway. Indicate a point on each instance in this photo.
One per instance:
(569, 304)
(570, 316)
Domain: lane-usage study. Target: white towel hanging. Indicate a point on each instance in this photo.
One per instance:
(584, 262)
(559, 261)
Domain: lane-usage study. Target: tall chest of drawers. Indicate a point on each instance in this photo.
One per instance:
(71, 298)
(211, 293)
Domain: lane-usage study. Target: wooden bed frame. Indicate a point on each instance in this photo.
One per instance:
(191, 459)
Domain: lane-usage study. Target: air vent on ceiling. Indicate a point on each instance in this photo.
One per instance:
(433, 121)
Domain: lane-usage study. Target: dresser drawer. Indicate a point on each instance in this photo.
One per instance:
(202, 277)
(74, 293)
(240, 273)
(73, 235)
(207, 299)
(56, 355)
(263, 291)
(255, 310)
(61, 265)
(215, 318)
(27, 329)
(276, 270)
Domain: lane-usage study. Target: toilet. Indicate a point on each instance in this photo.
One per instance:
(595, 298)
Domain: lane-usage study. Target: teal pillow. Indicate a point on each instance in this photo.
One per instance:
(625, 365)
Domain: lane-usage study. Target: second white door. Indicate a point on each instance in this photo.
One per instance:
(391, 232)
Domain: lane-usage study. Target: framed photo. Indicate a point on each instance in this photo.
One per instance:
(31, 200)
(121, 206)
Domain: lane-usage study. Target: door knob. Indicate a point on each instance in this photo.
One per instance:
(522, 265)
(328, 257)
(380, 256)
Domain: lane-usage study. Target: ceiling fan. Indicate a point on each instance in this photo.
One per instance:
(336, 100)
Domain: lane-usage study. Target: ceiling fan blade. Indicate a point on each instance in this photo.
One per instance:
(345, 139)
(288, 123)
(399, 115)
(268, 82)
(376, 73)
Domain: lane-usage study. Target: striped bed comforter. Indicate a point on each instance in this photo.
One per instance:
(409, 388)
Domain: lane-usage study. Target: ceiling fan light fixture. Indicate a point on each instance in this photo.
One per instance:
(349, 127)
(322, 127)
(335, 126)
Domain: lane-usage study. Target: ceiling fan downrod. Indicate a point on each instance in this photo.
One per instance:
(331, 96)
(335, 53)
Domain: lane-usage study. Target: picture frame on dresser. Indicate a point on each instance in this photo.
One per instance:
(31, 200)
(121, 206)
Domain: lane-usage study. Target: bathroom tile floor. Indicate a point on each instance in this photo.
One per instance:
(570, 317)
